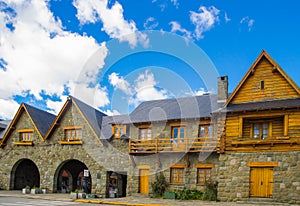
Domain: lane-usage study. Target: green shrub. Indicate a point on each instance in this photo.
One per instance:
(160, 185)
(187, 194)
(210, 192)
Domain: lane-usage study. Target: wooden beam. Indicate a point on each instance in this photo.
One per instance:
(262, 164)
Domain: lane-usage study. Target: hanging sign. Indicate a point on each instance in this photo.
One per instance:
(85, 173)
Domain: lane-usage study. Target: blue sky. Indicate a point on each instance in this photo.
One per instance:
(115, 54)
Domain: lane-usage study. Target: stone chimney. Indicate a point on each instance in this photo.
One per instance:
(222, 89)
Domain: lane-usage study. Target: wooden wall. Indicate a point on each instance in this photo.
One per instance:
(276, 86)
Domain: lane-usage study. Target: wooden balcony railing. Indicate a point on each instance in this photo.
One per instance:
(165, 145)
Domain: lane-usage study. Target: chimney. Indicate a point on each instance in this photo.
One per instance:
(222, 89)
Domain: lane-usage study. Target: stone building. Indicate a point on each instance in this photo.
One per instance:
(247, 142)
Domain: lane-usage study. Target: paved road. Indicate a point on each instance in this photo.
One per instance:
(15, 201)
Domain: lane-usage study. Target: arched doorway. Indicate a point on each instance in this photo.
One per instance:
(24, 173)
(72, 175)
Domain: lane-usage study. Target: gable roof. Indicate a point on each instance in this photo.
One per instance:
(41, 120)
(172, 109)
(92, 116)
(276, 66)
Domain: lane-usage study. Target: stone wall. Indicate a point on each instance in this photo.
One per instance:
(234, 175)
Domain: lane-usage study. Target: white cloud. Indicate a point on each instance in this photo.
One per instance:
(176, 27)
(204, 20)
(227, 19)
(120, 83)
(249, 22)
(144, 88)
(175, 3)
(110, 113)
(150, 23)
(41, 56)
(114, 24)
(8, 108)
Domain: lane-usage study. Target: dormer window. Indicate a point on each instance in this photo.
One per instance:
(118, 130)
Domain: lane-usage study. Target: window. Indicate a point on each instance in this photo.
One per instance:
(119, 130)
(260, 130)
(204, 173)
(177, 175)
(145, 133)
(73, 133)
(262, 85)
(26, 136)
(205, 131)
(178, 133)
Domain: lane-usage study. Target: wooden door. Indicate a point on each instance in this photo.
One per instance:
(144, 181)
(261, 182)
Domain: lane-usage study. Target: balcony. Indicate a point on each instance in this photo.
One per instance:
(168, 145)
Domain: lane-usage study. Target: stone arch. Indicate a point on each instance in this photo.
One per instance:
(69, 176)
(24, 173)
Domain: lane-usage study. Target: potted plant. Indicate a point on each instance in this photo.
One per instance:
(74, 195)
(26, 190)
(35, 190)
(81, 194)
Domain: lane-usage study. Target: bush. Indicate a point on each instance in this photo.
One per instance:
(187, 194)
(210, 192)
(160, 185)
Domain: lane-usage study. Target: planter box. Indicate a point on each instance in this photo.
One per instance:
(73, 195)
(44, 191)
(25, 191)
(169, 195)
(81, 195)
(35, 191)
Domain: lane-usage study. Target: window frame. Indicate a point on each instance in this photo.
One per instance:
(119, 128)
(208, 128)
(28, 133)
(179, 127)
(73, 133)
(269, 118)
(179, 171)
(204, 168)
(148, 130)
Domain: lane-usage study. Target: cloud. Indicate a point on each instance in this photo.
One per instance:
(227, 19)
(204, 20)
(8, 108)
(39, 56)
(175, 3)
(120, 83)
(114, 24)
(144, 88)
(249, 22)
(151, 23)
(176, 27)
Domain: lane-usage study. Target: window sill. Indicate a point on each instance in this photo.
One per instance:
(27, 143)
(77, 142)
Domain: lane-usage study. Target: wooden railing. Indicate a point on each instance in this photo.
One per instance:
(164, 145)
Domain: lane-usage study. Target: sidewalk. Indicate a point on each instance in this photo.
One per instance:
(137, 200)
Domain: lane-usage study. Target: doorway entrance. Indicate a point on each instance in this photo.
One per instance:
(116, 184)
(24, 173)
(72, 175)
(261, 182)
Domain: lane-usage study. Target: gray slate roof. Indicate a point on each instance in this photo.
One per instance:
(92, 115)
(274, 104)
(42, 119)
(171, 109)
(4, 124)
(107, 124)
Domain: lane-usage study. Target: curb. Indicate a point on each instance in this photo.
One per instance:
(115, 203)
